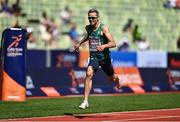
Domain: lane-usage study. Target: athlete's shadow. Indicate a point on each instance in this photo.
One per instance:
(84, 116)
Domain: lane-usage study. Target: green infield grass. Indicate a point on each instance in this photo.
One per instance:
(98, 104)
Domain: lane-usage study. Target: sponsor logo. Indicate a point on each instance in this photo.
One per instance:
(16, 40)
(13, 50)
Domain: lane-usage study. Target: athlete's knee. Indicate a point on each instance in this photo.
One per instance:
(89, 73)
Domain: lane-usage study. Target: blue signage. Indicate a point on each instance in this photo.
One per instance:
(124, 59)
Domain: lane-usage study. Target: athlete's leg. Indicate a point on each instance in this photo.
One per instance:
(108, 69)
(88, 82)
(92, 68)
(115, 78)
(88, 86)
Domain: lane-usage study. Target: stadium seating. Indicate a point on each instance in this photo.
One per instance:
(158, 24)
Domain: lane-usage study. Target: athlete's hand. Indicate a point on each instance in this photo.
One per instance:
(100, 48)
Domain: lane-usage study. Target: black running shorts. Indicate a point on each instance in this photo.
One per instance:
(104, 64)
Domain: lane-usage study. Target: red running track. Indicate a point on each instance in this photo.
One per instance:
(146, 115)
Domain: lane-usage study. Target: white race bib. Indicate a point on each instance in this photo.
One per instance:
(93, 43)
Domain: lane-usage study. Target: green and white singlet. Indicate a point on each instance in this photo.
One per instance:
(97, 38)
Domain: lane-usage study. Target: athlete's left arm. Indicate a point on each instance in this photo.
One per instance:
(111, 43)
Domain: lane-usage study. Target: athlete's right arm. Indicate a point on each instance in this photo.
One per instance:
(85, 38)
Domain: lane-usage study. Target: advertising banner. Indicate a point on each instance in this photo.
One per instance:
(70, 81)
(123, 59)
(13, 55)
(152, 59)
(49, 82)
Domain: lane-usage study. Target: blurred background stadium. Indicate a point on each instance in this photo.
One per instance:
(158, 23)
(146, 59)
(147, 33)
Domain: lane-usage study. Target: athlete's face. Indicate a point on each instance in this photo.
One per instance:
(93, 19)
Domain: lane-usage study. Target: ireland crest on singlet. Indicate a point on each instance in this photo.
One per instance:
(97, 38)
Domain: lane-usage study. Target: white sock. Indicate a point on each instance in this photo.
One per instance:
(85, 101)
